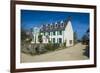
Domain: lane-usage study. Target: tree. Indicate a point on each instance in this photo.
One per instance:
(40, 38)
(24, 35)
(85, 38)
(75, 37)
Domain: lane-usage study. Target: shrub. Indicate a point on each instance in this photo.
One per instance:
(51, 47)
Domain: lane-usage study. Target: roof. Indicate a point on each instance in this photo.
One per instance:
(57, 26)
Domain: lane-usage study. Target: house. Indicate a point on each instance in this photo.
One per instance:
(58, 32)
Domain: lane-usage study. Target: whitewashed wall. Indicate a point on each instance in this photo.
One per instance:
(69, 34)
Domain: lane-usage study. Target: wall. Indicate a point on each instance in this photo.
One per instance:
(69, 34)
(5, 36)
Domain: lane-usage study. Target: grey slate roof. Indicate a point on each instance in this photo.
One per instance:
(55, 27)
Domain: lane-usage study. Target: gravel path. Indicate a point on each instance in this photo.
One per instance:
(71, 53)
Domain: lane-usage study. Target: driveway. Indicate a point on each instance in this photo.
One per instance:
(71, 53)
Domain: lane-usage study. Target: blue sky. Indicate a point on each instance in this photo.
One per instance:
(33, 18)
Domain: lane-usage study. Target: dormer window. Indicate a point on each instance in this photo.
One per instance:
(62, 24)
(56, 25)
(51, 26)
(48, 26)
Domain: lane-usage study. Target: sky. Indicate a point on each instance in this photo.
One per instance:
(33, 18)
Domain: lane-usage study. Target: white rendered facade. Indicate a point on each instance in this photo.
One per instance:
(56, 36)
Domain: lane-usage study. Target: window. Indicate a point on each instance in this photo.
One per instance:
(56, 25)
(57, 40)
(54, 33)
(44, 33)
(53, 40)
(60, 40)
(33, 38)
(59, 33)
(48, 33)
(70, 41)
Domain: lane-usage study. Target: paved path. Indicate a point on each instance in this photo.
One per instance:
(71, 53)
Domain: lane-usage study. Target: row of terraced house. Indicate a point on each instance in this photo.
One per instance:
(58, 32)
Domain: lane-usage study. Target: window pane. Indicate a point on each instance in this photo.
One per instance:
(57, 40)
(60, 32)
(44, 33)
(48, 33)
(54, 33)
(60, 40)
(53, 40)
(70, 41)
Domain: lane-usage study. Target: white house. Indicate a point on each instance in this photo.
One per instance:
(59, 32)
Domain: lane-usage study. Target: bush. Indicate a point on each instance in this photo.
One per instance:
(64, 44)
(51, 47)
(56, 46)
(48, 47)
